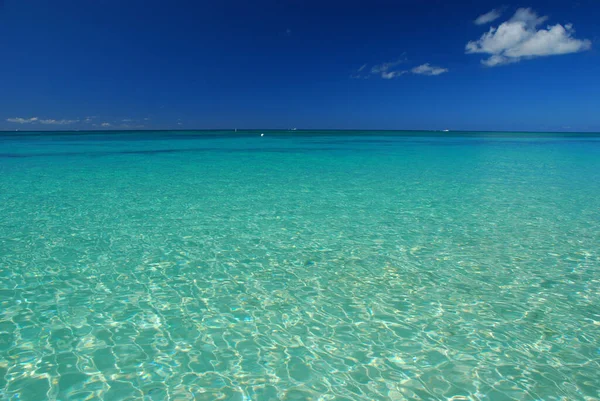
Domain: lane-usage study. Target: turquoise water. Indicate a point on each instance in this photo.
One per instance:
(305, 266)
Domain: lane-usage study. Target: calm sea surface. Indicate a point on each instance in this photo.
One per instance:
(299, 266)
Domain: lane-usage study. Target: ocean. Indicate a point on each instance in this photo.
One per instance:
(304, 265)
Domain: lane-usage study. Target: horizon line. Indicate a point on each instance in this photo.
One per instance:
(234, 130)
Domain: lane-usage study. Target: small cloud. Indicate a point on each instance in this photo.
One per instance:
(385, 67)
(389, 71)
(89, 119)
(20, 120)
(519, 38)
(36, 120)
(386, 70)
(392, 74)
(426, 69)
(179, 123)
(58, 122)
(127, 120)
(488, 17)
(358, 73)
(288, 32)
(105, 124)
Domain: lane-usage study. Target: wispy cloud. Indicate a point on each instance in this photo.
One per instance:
(36, 120)
(392, 74)
(92, 120)
(488, 17)
(385, 67)
(19, 120)
(426, 69)
(519, 38)
(384, 70)
(58, 122)
(389, 71)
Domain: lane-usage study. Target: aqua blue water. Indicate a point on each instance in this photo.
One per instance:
(299, 266)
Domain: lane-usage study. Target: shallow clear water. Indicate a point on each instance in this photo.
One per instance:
(323, 266)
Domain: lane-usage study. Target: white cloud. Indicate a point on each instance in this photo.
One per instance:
(488, 17)
(36, 120)
(58, 122)
(385, 70)
(105, 124)
(392, 74)
(20, 120)
(385, 67)
(389, 71)
(520, 38)
(358, 74)
(426, 69)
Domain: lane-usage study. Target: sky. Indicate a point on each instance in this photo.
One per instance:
(375, 64)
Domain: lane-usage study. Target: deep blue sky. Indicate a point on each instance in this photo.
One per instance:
(281, 64)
